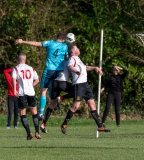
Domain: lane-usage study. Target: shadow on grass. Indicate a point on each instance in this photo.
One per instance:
(101, 136)
(70, 147)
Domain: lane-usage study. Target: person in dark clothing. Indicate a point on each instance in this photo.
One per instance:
(115, 87)
(12, 100)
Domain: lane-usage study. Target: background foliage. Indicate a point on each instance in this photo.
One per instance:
(35, 20)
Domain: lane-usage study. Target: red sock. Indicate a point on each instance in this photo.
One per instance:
(43, 124)
(61, 98)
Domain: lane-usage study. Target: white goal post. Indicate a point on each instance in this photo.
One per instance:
(99, 79)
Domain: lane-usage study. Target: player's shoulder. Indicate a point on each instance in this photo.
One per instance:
(15, 67)
(46, 42)
(70, 59)
(60, 43)
(65, 45)
(28, 66)
(24, 66)
(74, 58)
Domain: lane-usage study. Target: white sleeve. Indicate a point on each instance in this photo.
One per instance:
(71, 61)
(35, 76)
(14, 73)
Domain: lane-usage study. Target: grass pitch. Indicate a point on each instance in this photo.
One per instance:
(122, 143)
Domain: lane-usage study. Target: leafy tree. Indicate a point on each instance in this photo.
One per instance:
(42, 20)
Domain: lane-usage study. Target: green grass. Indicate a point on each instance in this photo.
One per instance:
(122, 143)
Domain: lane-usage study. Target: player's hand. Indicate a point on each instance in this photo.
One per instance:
(78, 73)
(98, 70)
(16, 94)
(101, 90)
(18, 41)
(118, 68)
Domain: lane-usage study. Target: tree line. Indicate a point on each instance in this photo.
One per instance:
(42, 20)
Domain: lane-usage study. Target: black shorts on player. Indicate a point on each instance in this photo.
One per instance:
(59, 86)
(82, 90)
(24, 100)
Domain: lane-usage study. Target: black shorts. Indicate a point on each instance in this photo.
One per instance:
(25, 100)
(82, 90)
(58, 87)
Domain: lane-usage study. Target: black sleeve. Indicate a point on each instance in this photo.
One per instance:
(125, 73)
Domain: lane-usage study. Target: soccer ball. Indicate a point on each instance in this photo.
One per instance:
(70, 38)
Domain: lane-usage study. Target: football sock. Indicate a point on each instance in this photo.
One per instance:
(96, 118)
(36, 122)
(61, 98)
(68, 117)
(47, 114)
(25, 124)
(42, 105)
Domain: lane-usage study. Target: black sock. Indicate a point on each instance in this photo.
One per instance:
(47, 114)
(36, 122)
(25, 124)
(68, 117)
(96, 117)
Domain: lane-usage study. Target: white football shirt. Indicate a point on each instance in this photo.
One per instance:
(79, 66)
(64, 75)
(25, 76)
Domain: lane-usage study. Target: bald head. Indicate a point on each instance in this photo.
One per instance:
(22, 58)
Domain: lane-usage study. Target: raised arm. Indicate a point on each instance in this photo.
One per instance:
(31, 43)
(125, 72)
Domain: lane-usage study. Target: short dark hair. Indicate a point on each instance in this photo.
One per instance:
(61, 36)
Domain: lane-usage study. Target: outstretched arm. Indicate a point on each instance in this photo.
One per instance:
(31, 43)
(97, 69)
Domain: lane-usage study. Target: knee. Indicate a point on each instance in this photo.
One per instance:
(33, 110)
(43, 91)
(75, 107)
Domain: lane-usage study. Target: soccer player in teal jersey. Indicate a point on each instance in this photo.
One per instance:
(56, 52)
